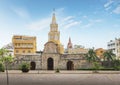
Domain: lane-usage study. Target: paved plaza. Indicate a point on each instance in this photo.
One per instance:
(62, 78)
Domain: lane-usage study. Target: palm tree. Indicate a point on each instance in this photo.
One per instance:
(91, 56)
(109, 56)
(6, 59)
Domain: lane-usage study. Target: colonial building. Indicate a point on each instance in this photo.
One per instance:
(24, 44)
(53, 56)
(114, 45)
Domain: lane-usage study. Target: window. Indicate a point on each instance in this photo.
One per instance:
(15, 44)
(17, 51)
(23, 51)
(18, 44)
(29, 51)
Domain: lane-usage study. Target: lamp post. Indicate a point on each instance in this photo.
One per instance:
(41, 60)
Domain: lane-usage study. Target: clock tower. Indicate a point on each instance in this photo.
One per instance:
(54, 34)
(54, 38)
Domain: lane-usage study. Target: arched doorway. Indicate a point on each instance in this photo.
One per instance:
(32, 65)
(70, 65)
(50, 64)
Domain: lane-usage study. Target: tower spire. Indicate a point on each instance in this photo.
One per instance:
(53, 17)
(69, 43)
(69, 40)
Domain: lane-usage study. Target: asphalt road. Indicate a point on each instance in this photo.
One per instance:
(60, 79)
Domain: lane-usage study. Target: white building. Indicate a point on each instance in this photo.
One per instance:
(114, 45)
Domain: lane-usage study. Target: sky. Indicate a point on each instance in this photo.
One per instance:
(91, 23)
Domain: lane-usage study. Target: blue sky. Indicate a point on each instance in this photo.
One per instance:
(91, 23)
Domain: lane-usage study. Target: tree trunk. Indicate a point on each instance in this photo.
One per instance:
(7, 74)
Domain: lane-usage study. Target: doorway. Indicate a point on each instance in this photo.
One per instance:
(32, 65)
(70, 65)
(50, 64)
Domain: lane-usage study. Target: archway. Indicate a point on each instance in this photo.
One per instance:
(32, 65)
(50, 64)
(70, 65)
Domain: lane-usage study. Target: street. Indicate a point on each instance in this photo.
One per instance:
(60, 79)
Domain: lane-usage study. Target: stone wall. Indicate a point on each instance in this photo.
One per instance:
(77, 59)
(19, 59)
(59, 61)
(54, 56)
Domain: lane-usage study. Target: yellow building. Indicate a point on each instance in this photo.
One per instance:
(99, 52)
(24, 44)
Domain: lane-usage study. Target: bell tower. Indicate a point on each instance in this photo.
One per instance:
(54, 34)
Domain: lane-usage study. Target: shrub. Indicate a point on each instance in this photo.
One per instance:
(116, 64)
(96, 66)
(2, 68)
(116, 67)
(57, 70)
(102, 69)
(25, 67)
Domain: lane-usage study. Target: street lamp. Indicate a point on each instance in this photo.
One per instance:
(41, 60)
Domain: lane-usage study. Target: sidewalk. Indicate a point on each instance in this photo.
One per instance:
(61, 72)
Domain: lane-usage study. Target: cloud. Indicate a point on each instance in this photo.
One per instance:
(113, 6)
(91, 23)
(117, 10)
(68, 18)
(22, 12)
(71, 24)
(108, 8)
(108, 3)
(40, 24)
(84, 16)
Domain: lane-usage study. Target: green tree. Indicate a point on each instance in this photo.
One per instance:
(3, 52)
(116, 64)
(91, 56)
(6, 59)
(109, 56)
